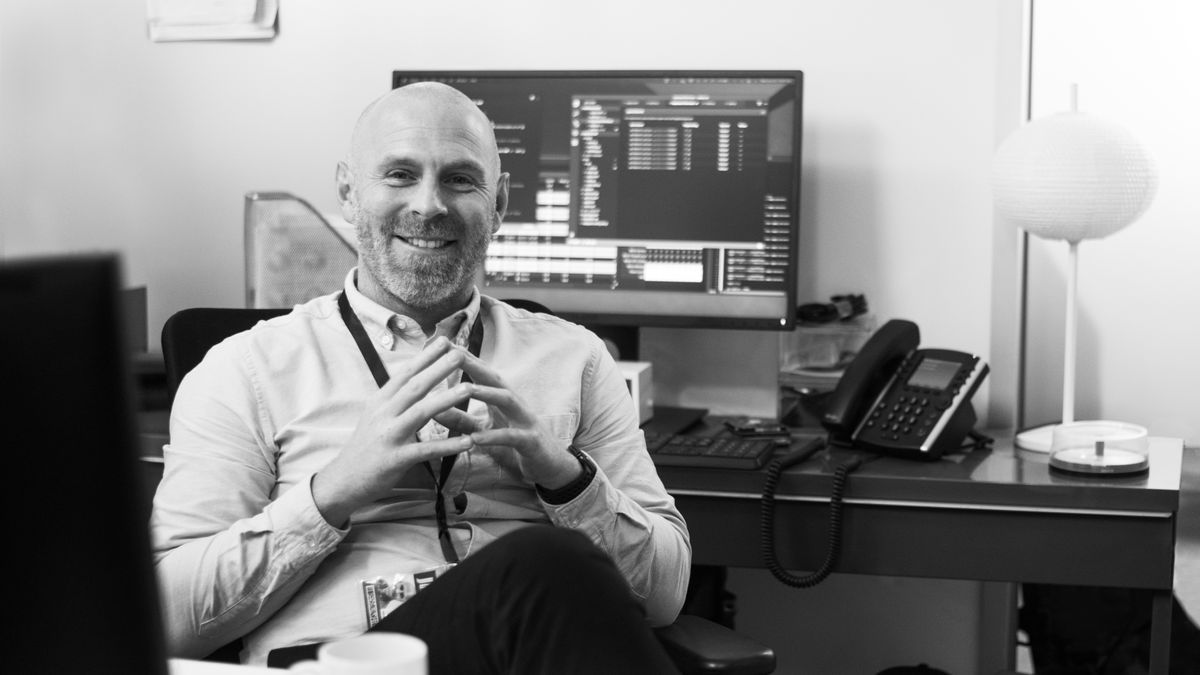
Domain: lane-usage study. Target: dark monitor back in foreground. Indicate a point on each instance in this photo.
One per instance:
(82, 592)
(646, 198)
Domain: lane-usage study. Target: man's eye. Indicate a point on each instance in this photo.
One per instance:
(460, 182)
(399, 175)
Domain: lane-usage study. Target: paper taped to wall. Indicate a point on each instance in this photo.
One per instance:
(178, 20)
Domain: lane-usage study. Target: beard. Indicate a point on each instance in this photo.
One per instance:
(420, 281)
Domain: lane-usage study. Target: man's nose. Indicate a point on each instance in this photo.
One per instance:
(427, 201)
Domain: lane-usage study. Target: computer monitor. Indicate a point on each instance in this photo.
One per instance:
(82, 595)
(646, 198)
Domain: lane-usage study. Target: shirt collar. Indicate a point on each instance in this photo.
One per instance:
(378, 319)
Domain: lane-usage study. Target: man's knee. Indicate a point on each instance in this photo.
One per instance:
(549, 542)
(548, 556)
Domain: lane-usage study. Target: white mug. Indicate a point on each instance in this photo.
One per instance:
(369, 654)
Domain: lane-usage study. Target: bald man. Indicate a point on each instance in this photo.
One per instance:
(327, 464)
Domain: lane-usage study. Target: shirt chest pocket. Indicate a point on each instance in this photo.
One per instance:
(561, 426)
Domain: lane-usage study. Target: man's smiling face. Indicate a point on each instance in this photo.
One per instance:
(424, 190)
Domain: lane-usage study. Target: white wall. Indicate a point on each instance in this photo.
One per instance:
(116, 142)
(1139, 289)
(112, 142)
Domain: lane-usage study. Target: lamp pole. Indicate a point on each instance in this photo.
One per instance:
(1069, 346)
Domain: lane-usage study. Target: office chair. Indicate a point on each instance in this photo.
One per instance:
(696, 645)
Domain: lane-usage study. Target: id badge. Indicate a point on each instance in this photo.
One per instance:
(382, 596)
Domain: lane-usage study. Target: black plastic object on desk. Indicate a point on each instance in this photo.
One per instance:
(720, 452)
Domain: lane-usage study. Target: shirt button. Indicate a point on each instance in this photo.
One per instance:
(386, 341)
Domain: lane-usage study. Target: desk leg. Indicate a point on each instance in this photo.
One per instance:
(1160, 632)
(998, 627)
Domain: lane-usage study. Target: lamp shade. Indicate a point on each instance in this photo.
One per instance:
(1072, 176)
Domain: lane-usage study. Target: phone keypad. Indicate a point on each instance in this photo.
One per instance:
(908, 413)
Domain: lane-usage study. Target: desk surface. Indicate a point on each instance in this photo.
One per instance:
(1002, 476)
(996, 514)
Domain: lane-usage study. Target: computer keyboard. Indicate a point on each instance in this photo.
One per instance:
(722, 452)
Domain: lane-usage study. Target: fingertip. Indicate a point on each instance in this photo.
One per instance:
(461, 444)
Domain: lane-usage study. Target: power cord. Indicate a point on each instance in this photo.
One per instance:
(767, 513)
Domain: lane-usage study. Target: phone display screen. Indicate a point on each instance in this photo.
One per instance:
(933, 373)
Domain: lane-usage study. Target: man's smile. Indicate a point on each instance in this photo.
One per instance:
(418, 242)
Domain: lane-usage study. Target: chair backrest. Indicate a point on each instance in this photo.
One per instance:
(189, 333)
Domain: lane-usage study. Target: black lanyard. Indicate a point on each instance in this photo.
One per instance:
(474, 344)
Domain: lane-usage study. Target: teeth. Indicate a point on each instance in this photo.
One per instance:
(427, 243)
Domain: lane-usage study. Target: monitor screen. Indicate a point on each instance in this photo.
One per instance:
(83, 596)
(645, 198)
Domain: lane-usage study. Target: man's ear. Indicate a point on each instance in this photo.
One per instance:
(501, 200)
(345, 190)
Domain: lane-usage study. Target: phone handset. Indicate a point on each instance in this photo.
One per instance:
(860, 384)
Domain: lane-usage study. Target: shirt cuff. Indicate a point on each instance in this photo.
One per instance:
(573, 489)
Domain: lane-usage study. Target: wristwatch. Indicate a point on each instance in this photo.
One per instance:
(573, 489)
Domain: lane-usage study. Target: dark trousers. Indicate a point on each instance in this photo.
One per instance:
(539, 600)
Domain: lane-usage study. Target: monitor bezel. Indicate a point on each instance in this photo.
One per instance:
(73, 446)
(682, 320)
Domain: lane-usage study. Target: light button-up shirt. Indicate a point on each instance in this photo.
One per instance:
(241, 549)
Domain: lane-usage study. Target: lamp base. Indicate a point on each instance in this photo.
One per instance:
(1037, 439)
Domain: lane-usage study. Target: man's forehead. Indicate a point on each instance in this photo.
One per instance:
(448, 145)
(424, 120)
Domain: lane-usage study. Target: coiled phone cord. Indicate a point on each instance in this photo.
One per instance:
(767, 521)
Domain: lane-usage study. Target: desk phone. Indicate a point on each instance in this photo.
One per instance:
(900, 400)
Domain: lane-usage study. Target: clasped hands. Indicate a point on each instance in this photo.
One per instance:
(384, 445)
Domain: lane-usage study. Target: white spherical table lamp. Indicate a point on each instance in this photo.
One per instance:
(1071, 176)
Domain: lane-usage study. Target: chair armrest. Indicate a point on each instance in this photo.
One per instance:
(698, 645)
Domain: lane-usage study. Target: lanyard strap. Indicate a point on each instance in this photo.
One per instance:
(375, 364)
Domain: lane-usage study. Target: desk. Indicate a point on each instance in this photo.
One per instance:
(986, 515)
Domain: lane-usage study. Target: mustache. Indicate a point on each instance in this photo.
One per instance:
(408, 225)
